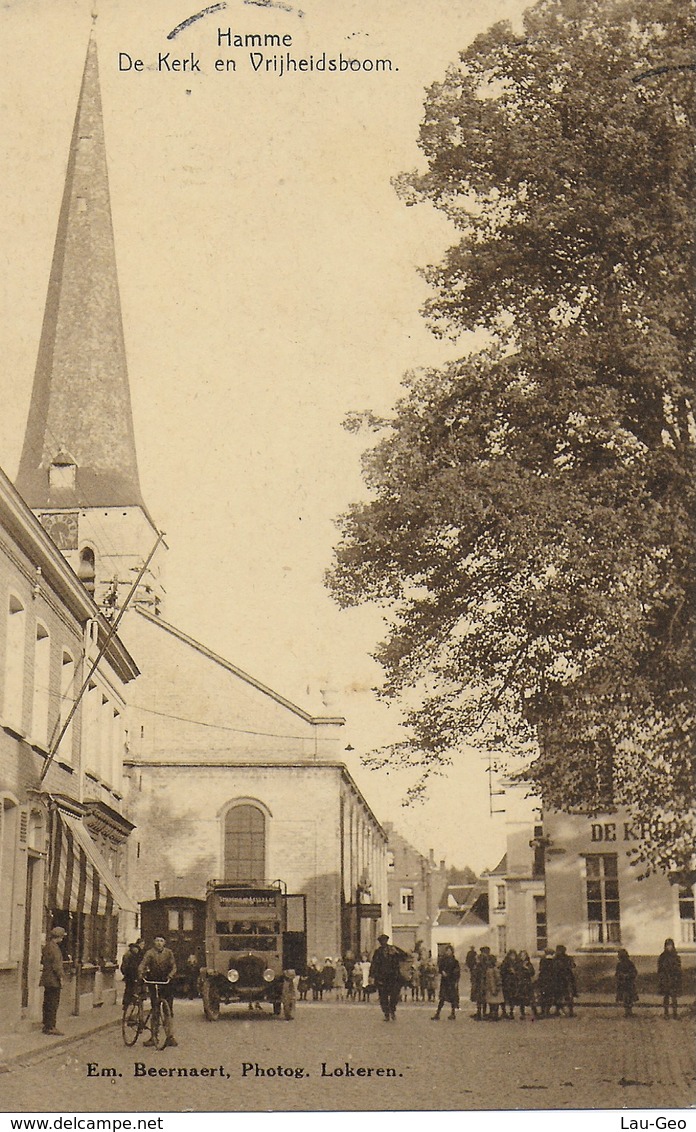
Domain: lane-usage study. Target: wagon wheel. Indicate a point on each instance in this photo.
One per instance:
(287, 1000)
(211, 1001)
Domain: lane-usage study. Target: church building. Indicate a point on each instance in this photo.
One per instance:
(224, 777)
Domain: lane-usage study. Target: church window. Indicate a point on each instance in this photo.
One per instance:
(245, 844)
(14, 663)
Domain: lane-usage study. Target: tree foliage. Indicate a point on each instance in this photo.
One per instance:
(529, 526)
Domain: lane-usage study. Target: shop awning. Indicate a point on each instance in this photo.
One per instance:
(80, 877)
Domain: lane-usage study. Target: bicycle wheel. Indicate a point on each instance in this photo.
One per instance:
(132, 1023)
(164, 1020)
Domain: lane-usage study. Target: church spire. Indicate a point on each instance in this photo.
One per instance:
(79, 447)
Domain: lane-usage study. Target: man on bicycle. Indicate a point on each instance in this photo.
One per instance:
(159, 966)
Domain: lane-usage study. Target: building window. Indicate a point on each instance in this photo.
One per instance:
(245, 844)
(86, 569)
(501, 939)
(407, 902)
(500, 897)
(13, 699)
(391, 862)
(687, 918)
(42, 676)
(67, 694)
(603, 919)
(542, 938)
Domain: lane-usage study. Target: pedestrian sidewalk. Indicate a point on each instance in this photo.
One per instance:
(20, 1046)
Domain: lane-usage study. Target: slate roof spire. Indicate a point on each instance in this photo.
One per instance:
(80, 400)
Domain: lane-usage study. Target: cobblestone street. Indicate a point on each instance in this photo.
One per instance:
(598, 1060)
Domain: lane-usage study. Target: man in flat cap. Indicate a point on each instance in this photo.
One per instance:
(52, 979)
(385, 973)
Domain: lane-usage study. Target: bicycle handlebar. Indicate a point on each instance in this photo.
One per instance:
(156, 982)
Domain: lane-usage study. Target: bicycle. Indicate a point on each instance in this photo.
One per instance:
(138, 1017)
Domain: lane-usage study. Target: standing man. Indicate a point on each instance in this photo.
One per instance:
(386, 975)
(159, 966)
(52, 980)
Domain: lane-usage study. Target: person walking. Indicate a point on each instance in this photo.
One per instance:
(471, 960)
(314, 976)
(158, 965)
(364, 964)
(385, 973)
(626, 975)
(449, 969)
(52, 980)
(669, 977)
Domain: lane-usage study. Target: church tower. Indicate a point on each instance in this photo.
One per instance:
(78, 469)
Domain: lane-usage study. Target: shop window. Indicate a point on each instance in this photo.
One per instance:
(42, 676)
(542, 938)
(13, 697)
(407, 901)
(687, 917)
(245, 844)
(603, 916)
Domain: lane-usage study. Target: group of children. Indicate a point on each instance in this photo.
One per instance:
(496, 990)
(341, 979)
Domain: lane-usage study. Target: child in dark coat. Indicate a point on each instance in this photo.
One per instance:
(669, 977)
(626, 975)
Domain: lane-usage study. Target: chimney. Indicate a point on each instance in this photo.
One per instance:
(431, 858)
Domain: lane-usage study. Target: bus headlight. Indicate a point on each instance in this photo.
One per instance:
(269, 975)
(233, 975)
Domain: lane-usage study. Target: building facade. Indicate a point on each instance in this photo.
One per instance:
(414, 885)
(63, 833)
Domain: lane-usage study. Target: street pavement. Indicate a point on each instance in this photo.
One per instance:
(255, 1062)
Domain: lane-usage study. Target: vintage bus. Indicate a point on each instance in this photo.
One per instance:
(181, 920)
(255, 945)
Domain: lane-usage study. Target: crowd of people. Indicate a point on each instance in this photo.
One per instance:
(499, 990)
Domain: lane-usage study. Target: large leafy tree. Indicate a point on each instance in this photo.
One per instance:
(528, 530)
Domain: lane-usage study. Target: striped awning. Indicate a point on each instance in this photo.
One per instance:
(80, 877)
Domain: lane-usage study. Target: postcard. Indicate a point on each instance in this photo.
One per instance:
(258, 283)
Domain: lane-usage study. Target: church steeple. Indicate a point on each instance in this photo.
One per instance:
(78, 468)
(80, 401)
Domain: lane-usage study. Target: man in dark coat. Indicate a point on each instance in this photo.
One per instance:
(385, 973)
(158, 965)
(565, 988)
(52, 979)
(449, 969)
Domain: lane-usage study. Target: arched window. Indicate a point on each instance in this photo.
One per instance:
(245, 844)
(13, 697)
(86, 569)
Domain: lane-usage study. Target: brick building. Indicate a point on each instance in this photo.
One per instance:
(225, 775)
(63, 833)
(414, 883)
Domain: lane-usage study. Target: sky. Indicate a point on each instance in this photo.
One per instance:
(270, 285)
